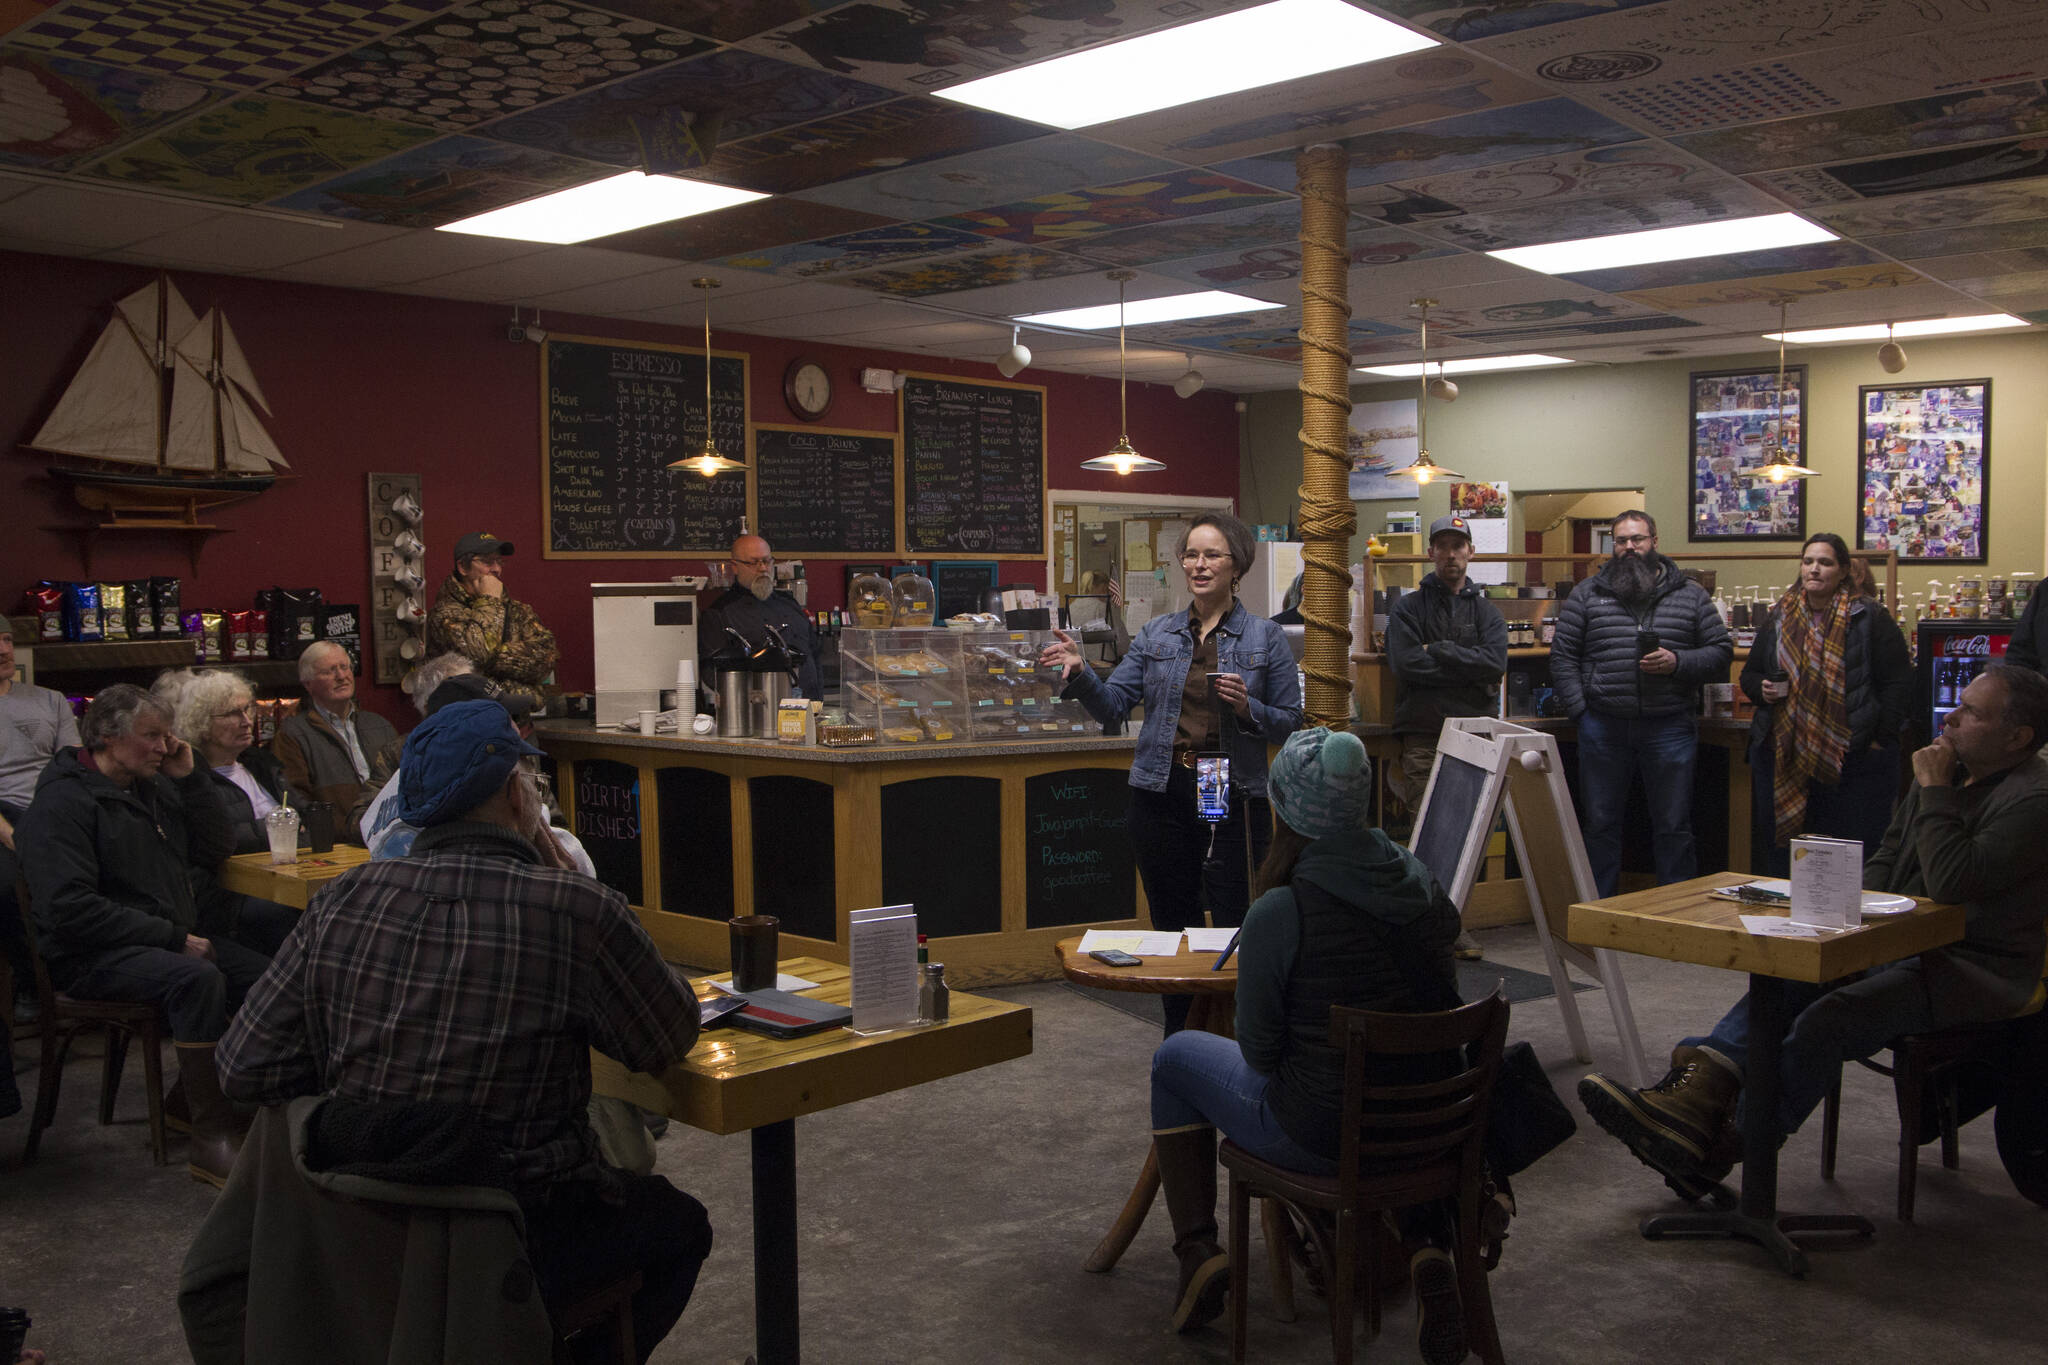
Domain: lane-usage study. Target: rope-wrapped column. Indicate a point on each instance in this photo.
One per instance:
(1328, 516)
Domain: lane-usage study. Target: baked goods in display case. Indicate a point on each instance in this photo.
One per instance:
(940, 685)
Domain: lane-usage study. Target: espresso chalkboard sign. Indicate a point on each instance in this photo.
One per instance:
(819, 491)
(615, 415)
(973, 468)
(1078, 863)
(608, 823)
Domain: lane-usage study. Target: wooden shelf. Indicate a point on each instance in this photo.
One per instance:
(88, 535)
(72, 657)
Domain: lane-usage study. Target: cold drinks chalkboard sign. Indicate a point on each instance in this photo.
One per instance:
(818, 491)
(973, 468)
(614, 415)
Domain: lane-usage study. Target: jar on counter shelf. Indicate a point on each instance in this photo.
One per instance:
(911, 599)
(869, 600)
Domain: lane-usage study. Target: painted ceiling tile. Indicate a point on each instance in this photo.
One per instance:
(1005, 265)
(246, 43)
(759, 226)
(1270, 342)
(1100, 209)
(1703, 203)
(1336, 104)
(2011, 201)
(1238, 230)
(2009, 110)
(1545, 128)
(1396, 207)
(483, 61)
(1534, 307)
(728, 94)
(728, 21)
(897, 244)
(57, 112)
(250, 150)
(1464, 23)
(1957, 240)
(1278, 267)
(1531, 336)
(1773, 289)
(1742, 265)
(443, 181)
(919, 44)
(1630, 168)
(1942, 170)
(880, 137)
(994, 176)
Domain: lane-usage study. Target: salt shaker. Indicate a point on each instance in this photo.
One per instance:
(934, 997)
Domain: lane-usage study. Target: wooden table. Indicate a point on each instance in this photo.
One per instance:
(734, 1082)
(1212, 1010)
(253, 874)
(1682, 923)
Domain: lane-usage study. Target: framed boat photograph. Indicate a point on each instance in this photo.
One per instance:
(1736, 419)
(1924, 452)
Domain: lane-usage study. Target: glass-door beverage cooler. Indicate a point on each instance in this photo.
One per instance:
(1950, 654)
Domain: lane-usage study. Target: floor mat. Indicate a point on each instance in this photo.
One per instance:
(1475, 981)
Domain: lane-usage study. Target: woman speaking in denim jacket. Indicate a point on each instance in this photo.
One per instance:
(1212, 679)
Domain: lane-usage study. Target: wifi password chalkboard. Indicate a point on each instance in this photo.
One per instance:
(614, 416)
(973, 468)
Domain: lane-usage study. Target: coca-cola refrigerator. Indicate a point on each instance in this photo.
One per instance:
(1950, 654)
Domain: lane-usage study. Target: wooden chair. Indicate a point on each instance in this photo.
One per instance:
(1922, 1063)
(1402, 1145)
(64, 1017)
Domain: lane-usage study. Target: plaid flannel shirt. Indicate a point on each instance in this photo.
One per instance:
(468, 973)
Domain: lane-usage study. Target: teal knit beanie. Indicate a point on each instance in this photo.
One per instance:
(1321, 783)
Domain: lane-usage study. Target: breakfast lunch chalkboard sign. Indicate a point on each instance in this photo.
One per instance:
(614, 415)
(973, 468)
(820, 491)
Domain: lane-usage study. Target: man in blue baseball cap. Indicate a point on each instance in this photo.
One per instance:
(474, 972)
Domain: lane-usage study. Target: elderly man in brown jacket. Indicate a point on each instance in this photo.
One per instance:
(474, 617)
(326, 749)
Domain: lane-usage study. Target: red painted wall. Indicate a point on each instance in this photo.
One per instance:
(361, 382)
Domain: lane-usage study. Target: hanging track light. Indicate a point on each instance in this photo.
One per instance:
(1425, 469)
(1122, 458)
(1011, 363)
(1189, 384)
(1891, 357)
(707, 461)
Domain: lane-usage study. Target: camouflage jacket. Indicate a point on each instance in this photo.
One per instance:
(502, 637)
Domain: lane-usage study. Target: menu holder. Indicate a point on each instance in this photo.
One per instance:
(882, 959)
(1827, 882)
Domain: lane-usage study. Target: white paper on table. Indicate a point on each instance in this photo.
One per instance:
(1827, 882)
(882, 957)
(1136, 942)
(783, 982)
(1209, 940)
(1771, 926)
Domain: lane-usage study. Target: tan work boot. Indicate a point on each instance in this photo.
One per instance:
(217, 1131)
(1672, 1127)
(1467, 948)
(1187, 1175)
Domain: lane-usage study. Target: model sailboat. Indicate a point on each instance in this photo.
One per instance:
(166, 404)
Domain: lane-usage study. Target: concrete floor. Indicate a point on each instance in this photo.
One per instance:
(948, 1224)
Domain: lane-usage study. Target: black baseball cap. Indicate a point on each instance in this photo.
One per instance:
(480, 543)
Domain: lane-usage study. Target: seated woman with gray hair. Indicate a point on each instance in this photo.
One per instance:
(215, 712)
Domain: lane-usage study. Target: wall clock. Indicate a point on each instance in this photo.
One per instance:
(807, 388)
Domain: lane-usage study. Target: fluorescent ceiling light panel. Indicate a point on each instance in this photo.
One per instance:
(1141, 312)
(1477, 365)
(1876, 331)
(1264, 45)
(1667, 244)
(618, 203)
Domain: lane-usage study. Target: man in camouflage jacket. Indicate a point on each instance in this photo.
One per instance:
(473, 616)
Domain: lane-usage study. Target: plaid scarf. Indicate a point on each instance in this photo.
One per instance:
(1810, 736)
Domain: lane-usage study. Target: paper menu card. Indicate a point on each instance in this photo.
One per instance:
(1827, 882)
(1210, 940)
(1776, 926)
(1136, 942)
(882, 958)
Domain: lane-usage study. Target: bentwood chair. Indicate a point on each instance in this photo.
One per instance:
(64, 1017)
(1403, 1145)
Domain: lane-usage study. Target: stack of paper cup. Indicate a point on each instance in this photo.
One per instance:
(686, 693)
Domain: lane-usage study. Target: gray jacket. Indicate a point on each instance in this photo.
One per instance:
(1448, 651)
(1988, 852)
(1593, 656)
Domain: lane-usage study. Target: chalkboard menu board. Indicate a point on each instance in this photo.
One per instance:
(1078, 863)
(615, 416)
(973, 468)
(818, 491)
(961, 585)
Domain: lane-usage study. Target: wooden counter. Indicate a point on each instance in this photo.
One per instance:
(1005, 848)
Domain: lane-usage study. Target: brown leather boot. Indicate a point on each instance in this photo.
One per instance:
(1672, 1126)
(1187, 1175)
(217, 1131)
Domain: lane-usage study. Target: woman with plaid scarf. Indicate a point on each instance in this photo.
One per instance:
(1831, 679)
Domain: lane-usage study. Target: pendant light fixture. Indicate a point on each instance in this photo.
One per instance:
(1782, 466)
(1122, 459)
(707, 461)
(1425, 469)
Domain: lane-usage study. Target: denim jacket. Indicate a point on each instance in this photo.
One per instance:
(1156, 669)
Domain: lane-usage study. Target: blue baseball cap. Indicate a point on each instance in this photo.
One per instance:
(455, 759)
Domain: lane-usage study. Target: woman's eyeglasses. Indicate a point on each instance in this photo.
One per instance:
(246, 711)
(1204, 556)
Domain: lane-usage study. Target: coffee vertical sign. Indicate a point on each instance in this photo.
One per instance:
(398, 608)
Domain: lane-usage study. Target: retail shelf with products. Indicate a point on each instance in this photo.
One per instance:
(914, 685)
